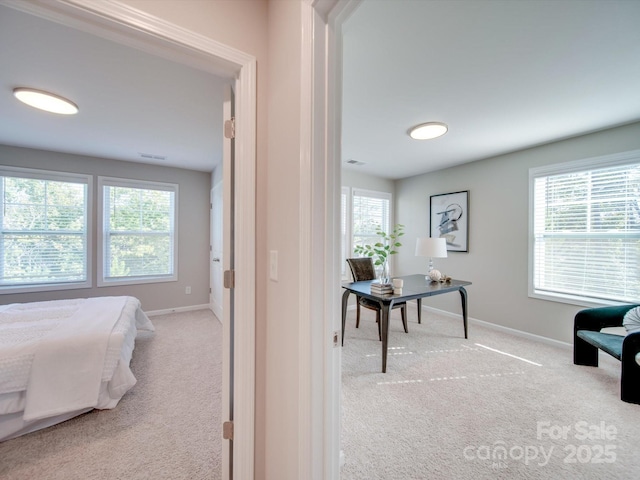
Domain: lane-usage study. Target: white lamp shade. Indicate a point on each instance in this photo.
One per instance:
(431, 247)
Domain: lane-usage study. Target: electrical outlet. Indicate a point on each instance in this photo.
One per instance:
(187, 290)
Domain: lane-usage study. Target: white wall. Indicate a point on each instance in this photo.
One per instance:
(193, 227)
(497, 261)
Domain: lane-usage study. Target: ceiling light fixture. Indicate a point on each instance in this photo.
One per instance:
(46, 101)
(429, 130)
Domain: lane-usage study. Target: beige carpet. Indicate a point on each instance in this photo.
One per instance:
(167, 427)
(450, 408)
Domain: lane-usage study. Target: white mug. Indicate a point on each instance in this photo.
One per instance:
(398, 283)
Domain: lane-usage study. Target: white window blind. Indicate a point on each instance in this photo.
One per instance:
(44, 230)
(138, 241)
(370, 212)
(586, 232)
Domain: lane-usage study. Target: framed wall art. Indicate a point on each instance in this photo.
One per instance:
(449, 219)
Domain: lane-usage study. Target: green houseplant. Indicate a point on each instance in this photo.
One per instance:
(382, 249)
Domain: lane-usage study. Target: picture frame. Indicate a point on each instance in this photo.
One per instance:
(449, 219)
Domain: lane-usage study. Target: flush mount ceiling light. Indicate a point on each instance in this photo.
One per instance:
(46, 101)
(427, 131)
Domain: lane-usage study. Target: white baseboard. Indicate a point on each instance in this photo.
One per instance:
(493, 326)
(501, 328)
(190, 308)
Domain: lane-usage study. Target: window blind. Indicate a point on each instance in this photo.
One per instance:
(586, 238)
(138, 232)
(43, 232)
(370, 212)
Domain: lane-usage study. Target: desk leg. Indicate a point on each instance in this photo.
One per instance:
(384, 319)
(419, 300)
(463, 299)
(345, 300)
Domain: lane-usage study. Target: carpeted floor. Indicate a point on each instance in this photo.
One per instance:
(167, 427)
(447, 408)
(451, 408)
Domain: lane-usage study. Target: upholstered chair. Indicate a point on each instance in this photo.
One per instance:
(362, 269)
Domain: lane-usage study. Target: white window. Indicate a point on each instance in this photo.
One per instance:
(44, 231)
(363, 213)
(138, 242)
(585, 231)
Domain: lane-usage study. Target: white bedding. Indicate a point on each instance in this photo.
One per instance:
(32, 335)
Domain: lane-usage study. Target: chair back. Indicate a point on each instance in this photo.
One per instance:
(362, 268)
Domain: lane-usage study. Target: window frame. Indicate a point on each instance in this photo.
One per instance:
(56, 176)
(582, 165)
(351, 192)
(101, 257)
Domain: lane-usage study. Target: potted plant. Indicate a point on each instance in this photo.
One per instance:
(380, 251)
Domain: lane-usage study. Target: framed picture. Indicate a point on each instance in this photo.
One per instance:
(450, 219)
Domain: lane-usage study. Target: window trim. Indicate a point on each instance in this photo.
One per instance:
(351, 192)
(604, 161)
(57, 176)
(347, 238)
(139, 184)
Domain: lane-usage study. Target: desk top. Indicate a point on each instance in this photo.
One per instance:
(415, 286)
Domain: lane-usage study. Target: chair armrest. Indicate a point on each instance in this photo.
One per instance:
(630, 377)
(597, 318)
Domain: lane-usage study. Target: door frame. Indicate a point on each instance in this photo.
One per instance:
(319, 237)
(124, 24)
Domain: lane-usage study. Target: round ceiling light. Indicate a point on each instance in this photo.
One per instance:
(46, 101)
(427, 131)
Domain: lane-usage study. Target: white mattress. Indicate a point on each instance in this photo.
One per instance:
(22, 326)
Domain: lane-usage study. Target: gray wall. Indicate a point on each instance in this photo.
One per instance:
(355, 179)
(193, 227)
(497, 261)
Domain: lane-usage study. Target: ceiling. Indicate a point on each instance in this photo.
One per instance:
(134, 106)
(504, 75)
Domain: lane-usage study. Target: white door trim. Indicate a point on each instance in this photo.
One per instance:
(319, 239)
(119, 22)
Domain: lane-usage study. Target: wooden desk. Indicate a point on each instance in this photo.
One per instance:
(415, 287)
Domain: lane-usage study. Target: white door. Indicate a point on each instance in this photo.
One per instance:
(216, 253)
(228, 263)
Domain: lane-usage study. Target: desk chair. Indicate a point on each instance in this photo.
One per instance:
(362, 269)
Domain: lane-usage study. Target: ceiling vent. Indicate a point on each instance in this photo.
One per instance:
(354, 162)
(150, 156)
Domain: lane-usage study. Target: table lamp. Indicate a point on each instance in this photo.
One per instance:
(432, 248)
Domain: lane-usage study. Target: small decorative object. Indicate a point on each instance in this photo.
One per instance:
(435, 275)
(397, 286)
(380, 251)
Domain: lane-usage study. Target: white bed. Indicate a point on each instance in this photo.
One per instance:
(59, 359)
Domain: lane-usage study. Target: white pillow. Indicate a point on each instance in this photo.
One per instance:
(631, 320)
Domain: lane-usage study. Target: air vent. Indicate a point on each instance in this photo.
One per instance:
(150, 156)
(354, 162)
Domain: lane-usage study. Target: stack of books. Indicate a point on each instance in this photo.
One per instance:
(381, 288)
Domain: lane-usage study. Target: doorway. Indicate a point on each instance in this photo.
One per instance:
(120, 23)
